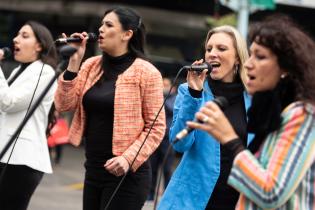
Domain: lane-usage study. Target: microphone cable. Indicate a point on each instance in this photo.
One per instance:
(160, 172)
(145, 139)
(27, 110)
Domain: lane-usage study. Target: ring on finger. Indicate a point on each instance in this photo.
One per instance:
(205, 119)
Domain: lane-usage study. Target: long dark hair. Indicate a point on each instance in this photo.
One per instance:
(130, 20)
(47, 55)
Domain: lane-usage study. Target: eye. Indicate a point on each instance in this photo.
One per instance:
(208, 49)
(222, 48)
(260, 56)
(108, 24)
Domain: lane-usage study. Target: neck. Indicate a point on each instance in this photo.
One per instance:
(118, 51)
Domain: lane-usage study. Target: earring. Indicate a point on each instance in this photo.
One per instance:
(283, 76)
(236, 67)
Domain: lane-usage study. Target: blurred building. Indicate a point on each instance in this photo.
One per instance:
(176, 28)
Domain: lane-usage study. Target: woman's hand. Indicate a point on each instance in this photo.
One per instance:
(117, 166)
(196, 79)
(76, 58)
(214, 122)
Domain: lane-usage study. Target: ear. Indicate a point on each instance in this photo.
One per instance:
(127, 35)
(237, 61)
(38, 47)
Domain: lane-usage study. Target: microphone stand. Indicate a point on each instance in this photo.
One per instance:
(65, 52)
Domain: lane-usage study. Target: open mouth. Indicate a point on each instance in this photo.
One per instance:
(215, 64)
(16, 49)
(251, 77)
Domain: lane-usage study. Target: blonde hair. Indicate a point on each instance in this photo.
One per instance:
(239, 45)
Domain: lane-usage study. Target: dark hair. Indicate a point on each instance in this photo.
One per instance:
(130, 20)
(48, 54)
(294, 50)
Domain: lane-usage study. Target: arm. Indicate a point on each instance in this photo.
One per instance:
(270, 181)
(18, 96)
(68, 91)
(184, 110)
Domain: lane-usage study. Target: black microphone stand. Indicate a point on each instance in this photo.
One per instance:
(65, 52)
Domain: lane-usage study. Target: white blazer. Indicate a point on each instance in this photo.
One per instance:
(31, 148)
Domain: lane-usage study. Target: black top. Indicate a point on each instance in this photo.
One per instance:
(236, 114)
(98, 103)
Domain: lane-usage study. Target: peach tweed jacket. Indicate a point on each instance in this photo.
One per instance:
(138, 97)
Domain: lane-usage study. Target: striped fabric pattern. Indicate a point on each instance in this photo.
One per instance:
(138, 97)
(281, 174)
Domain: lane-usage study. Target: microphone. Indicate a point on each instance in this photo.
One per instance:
(220, 101)
(5, 53)
(92, 37)
(199, 68)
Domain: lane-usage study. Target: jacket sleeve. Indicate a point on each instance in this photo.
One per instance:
(270, 181)
(69, 92)
(184, 110)
(18, 96)
(152, 101)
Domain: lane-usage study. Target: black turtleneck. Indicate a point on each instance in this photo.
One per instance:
(98, 103)
(236, 114)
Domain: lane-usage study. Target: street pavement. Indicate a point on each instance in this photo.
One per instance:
(62, 190)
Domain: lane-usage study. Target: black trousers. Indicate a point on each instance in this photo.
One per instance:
(17, 186)
(99, 185)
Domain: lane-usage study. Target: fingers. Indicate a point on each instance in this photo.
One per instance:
(197, 62)
(116, 166)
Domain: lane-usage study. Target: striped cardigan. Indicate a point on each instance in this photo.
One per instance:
(282, 174)
(138, 97)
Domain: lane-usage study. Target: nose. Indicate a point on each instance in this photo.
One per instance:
(100, 30)
(248, 63)
(15, 40)
(212, 54)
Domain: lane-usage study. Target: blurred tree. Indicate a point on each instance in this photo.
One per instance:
(223, 20)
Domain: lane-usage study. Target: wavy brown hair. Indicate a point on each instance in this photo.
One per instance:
(295, 52)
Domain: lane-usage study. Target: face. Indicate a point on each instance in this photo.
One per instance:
(263, 69)
(221, 54)
(26, 47)
(112, 38)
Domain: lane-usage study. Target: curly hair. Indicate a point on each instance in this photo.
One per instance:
(295, 52)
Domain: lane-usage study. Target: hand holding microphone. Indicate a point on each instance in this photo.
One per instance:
(77, 40)
(91, 37)
(220, 102)
(197, 73)
(211, 119)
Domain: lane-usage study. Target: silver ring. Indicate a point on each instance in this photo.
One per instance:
(205, 119)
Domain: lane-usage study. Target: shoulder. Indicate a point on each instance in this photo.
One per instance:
(145, 66)
(92, 61)
(39, 66)
(299, 108)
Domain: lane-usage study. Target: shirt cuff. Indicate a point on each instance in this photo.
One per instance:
(234, 146)
(69, 75)
(195, 93)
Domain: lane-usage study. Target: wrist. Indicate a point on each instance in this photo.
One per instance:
(228, 138)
